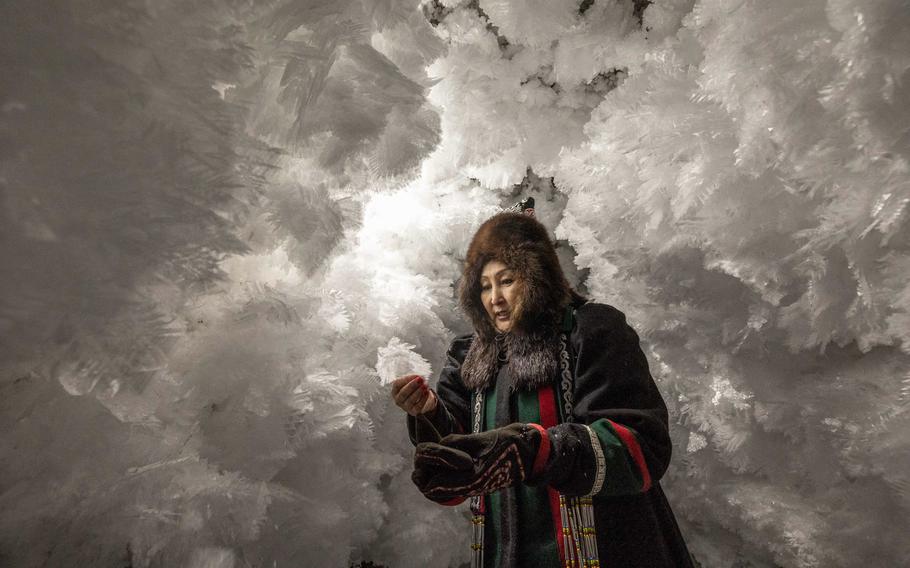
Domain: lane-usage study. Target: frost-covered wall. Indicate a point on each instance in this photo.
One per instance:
(214, 216)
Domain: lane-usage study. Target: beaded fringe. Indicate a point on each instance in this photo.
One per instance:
(578, 536)
(477, 533)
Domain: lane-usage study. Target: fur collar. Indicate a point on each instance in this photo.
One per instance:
(533, 360)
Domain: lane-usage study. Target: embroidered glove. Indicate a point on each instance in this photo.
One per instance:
(460, 466)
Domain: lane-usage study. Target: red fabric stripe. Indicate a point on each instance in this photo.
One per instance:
(452, 502)
(546, 400)
(543, 451)
(628, 438)
(557, 523)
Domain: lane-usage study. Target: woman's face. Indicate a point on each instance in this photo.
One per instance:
(499, 290)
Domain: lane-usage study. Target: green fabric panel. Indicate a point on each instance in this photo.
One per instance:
(537, 547)
(491, 554)
(622, 476)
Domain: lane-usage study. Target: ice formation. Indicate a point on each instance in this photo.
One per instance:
(217, 216)
(398, 359)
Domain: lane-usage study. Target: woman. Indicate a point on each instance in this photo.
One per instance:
(546, 449)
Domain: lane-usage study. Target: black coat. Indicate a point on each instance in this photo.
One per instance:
(612, 384)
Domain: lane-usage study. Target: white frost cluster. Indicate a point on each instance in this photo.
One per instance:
(398, 359)
(220, 221)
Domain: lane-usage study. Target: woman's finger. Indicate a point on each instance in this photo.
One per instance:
(405, 391)
(412, 397)
(400, 382)
(430, 403)
(408, 389)
(414, 403)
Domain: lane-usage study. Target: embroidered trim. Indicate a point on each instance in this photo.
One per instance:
(478, 411)
(505, 469)
(601, 472)
(477, 508)
(566, 383)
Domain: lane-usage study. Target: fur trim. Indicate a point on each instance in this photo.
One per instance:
(523, 244)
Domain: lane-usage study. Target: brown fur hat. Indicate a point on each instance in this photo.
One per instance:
(523, 244)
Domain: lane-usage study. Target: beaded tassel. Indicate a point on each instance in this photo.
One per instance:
(579, 537)
(567, 540)
(477, 534)
(587, 510)
(575, 522)
(586, 533)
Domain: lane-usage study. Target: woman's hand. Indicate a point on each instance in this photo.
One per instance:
(412, 395)
(460, 466)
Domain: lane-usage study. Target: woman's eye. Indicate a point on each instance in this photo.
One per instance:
(507, 281)
(485, 287)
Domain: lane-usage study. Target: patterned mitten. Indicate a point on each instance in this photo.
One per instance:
(460, 466)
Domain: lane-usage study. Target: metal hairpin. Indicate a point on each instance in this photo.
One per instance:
(525, 206)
